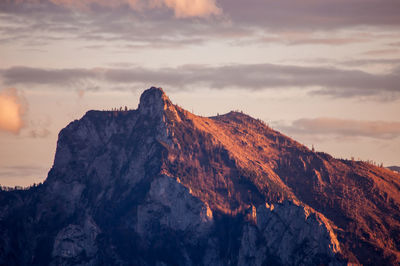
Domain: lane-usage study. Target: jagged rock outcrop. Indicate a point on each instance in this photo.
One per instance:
(76, 244)
(175, 208)
(293, 234)
(161, 186)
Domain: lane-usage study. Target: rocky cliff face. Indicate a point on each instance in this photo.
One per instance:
(161, 186)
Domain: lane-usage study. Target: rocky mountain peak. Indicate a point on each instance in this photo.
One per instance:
(153, 102)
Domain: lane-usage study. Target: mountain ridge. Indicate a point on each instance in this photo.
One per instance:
(119, 178)
(394, 168)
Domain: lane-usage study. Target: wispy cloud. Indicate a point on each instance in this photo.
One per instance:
(20, 171)
(310, 38)
(343, 128)
(39, 128)
(62, 77)
(320, 79)
(21, 175)
(382, 52)
(306, 14)
(39, 133)
(375, 61)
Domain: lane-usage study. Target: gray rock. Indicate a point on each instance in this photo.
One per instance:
(295, 234)
(76, 243)
(171, 204)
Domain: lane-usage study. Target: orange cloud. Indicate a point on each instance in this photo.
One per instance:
(190, 8)
(12, 109)
(181, 8)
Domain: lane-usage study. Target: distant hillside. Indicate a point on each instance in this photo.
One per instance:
(394, 168)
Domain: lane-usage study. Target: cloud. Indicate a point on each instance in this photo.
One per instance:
(12, 110)
(376, 61)
(81, 92)
(321, 80)
(344, 128)
(310, 38)
(29, 75)
(87, 4)
(148, 23)
(118, 31)
(39, 128)
(190, 8)
(382, 52)
(313, 15)
(181, 8)
(39, 133)
(283, 14)
(22, 171)
(21, 175)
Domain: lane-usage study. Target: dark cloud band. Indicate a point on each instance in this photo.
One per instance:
(321, 80)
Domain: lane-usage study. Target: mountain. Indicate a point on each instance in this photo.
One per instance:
(394, 168)
(162, 186)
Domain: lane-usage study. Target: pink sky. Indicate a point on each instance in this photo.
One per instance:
(326, 73)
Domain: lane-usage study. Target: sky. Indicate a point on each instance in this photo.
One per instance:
(326, 73)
